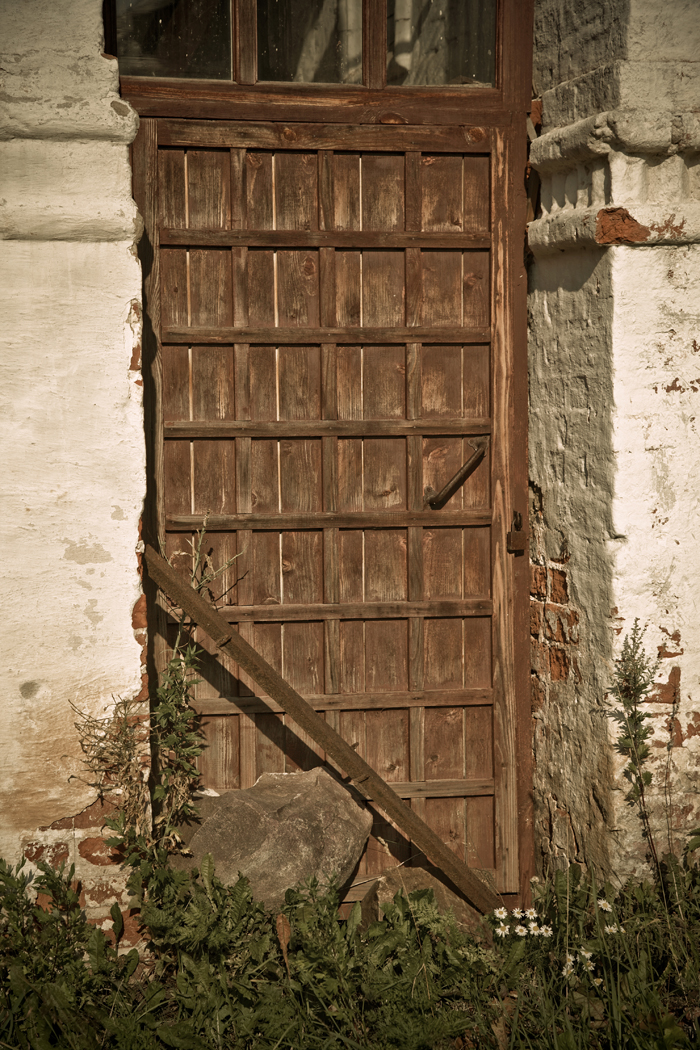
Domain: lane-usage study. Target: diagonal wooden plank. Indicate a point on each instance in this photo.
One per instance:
(370, 783)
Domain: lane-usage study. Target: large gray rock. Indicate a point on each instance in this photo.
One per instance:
(285, 828)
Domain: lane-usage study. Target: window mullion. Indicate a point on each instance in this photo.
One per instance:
(374, 43)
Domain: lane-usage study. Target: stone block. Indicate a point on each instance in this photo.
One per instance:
(286, 828)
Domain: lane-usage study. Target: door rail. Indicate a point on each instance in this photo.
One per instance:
(362, 776)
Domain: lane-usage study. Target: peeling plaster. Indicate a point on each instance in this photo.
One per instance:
(614, 293)
(85, 555)
(70, 394)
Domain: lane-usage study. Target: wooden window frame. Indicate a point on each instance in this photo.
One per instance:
(370, 103)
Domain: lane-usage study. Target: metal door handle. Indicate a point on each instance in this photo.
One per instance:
(438, 501)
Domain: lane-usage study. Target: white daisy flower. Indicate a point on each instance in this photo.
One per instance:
(612, 929)
(501, 913)
(534, 929)
(603, 905)
(597, 981)
(568, 970)
(521, 931)
(517, 913)
(588, 965)
(545, 931)
(585, 954)
(530, 913)
(502, 931)
(570, 958)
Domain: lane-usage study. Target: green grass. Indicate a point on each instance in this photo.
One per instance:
(589, 967)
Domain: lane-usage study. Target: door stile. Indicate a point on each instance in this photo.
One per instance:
(506, 493)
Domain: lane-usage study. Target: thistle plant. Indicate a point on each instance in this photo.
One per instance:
(632, 681)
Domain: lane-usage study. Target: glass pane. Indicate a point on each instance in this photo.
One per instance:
(441, 42)
(174, 38)
(310, 41)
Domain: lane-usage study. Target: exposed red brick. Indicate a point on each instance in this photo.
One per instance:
(675, 733)
(96, 851)
(135, 318)
(539, 658)
(100, 892)
(553, 626)
(617, 226)
(571, 617)
(559, 665)
(538, 582)
(538, 694)
(54, 854)
(536, 114)
(138, 614)
(668, 654)
(559, 590)
(92, 817)
(670, 227)
(536, 619)
(667, 692)
(693, 728)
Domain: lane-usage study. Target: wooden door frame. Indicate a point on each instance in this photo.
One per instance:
(503, 110)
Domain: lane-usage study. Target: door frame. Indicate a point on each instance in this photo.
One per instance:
(503, 110)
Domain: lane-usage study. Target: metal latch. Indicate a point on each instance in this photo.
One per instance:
(516, 540)
(436, 501)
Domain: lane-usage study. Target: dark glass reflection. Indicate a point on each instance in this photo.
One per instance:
(310, 41)
(174, 38)
(441, 42)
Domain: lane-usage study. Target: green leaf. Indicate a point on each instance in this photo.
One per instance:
(206, 870)
(117, 921)
(130, 964)
(180, 1036)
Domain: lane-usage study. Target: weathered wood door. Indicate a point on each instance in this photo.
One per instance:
(336, 331)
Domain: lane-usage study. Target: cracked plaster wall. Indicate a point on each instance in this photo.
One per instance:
(614, 387)
(72, 424)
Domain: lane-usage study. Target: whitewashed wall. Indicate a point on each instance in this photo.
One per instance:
(615, 392)
(71, 418)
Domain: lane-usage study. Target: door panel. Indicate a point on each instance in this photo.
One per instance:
(311, 457)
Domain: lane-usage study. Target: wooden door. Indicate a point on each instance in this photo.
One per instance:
(338, 323)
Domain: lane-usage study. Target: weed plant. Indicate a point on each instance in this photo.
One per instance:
(587, 966)
(584, 967)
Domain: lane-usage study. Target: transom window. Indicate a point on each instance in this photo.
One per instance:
(426, 42)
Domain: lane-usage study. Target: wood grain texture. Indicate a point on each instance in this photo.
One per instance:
(391, 728)
(383, 294)
(209, 189)
(351, 586)
(246, 64)
(350, 423)
(264, 495)
(347, 701)
(318, 376)
(280, 238)
(505, 711)
(368, 136)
